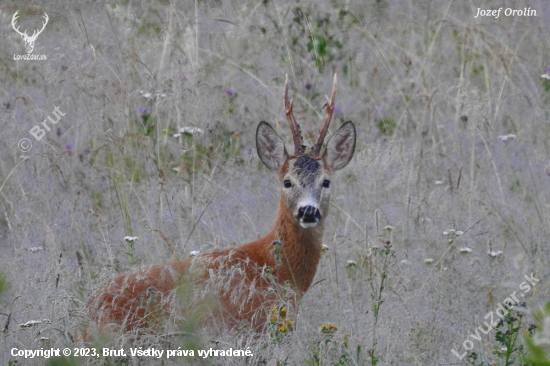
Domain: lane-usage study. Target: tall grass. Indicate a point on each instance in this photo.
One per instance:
(162, 100)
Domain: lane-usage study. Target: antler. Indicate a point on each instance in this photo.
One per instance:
(13, 19)
(35, 34)
(299, 148)
(43, 25)
(330, 107)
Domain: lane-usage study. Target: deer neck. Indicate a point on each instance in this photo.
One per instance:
(301, 249)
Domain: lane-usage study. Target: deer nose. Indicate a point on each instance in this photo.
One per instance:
(309, 214)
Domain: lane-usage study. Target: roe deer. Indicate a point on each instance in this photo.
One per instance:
(246, 281)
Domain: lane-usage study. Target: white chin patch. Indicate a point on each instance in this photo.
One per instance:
(308, 225)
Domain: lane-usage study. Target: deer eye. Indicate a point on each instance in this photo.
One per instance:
(287, 183)
(326, 183)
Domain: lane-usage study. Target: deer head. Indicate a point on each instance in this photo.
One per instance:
(29, 40)
(305, 177)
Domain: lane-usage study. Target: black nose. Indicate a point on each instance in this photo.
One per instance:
(309, 214)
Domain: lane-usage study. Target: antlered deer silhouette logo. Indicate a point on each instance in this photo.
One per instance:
(29, 40)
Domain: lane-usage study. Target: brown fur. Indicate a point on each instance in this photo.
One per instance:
(130, 301)
(240, 286)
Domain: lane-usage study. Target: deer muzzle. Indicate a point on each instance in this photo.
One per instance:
(308, 216)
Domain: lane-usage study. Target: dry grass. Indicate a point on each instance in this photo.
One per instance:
(430, 89)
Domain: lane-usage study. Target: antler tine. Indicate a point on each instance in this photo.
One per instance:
(294, 127)
(330, 107)
(37, 32)
(46, 18)
(14, 20)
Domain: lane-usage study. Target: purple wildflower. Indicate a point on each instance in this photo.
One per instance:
(547, 68)
(230, 92)
(87, 151)
(144, 111)
(308, 85)
(58, 131)
(380, 110)
(336, 110)
(249, 150)
(69, 147)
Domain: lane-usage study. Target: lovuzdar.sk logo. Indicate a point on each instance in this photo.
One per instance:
(29, 40)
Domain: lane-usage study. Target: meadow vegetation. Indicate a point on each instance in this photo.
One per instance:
(443, 211)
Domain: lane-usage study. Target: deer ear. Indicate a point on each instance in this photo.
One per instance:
(340, 147)
(271, 149)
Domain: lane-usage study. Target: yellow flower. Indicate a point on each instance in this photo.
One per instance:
(346, 337)
(283, 328)
(288, 322)
(329, 328)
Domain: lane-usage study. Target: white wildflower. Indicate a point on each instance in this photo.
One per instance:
(191, 130)
(145, 95)
(507, 137)
(30, 323)
(351, 263)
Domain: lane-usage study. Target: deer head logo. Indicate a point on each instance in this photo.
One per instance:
(29, 40)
